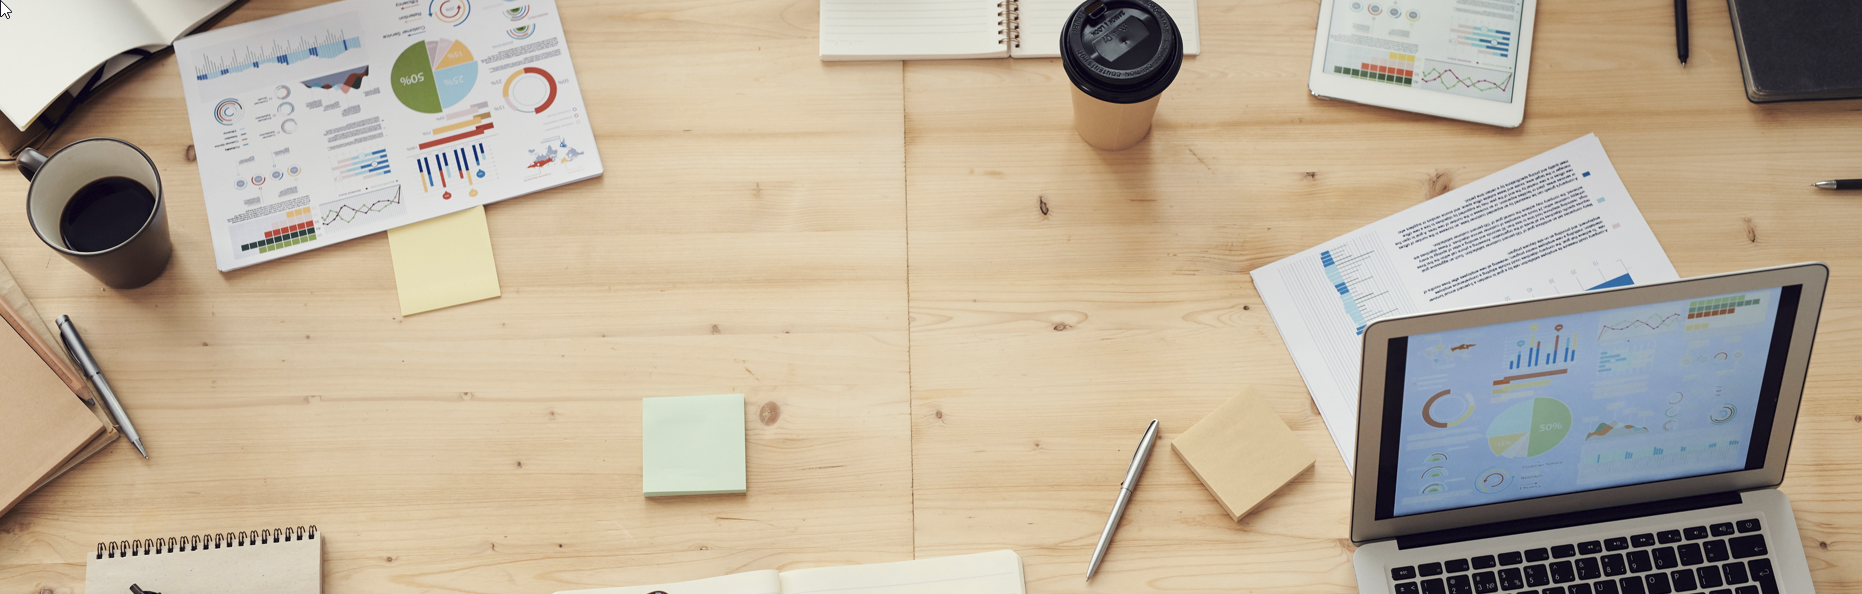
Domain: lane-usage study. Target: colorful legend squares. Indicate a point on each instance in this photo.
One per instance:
(1396, 69)
(295, 229)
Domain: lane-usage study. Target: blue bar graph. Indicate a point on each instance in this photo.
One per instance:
(1487, 40)
(1344, 292)
(327, 50)
(366, 165)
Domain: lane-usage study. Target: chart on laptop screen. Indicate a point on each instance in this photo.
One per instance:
(1601, 399)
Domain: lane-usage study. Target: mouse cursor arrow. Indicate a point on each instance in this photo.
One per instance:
(6, 11)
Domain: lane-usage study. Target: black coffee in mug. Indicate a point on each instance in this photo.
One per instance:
(98, 202)
(105, 213)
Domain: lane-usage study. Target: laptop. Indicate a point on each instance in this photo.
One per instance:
(1626, 441)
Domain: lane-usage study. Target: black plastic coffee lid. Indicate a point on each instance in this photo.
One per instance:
(1121, 51)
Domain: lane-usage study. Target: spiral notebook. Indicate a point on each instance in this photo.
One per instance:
(958, 29)
(272, 561)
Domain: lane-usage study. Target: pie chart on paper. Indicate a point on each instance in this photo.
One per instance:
(431, 76)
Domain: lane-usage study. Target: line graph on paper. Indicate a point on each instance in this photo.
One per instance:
(361, 209)
(1650, 323)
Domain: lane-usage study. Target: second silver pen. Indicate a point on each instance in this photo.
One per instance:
(74, 344)
(1138, 458)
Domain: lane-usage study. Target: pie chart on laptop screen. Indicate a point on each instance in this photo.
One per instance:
(1529, 428)
(431, 76)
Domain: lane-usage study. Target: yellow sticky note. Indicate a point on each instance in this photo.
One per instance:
(443, 261)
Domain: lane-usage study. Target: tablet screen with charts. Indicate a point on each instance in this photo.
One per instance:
(1462, 59)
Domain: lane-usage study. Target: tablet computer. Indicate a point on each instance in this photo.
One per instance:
(1461, 59)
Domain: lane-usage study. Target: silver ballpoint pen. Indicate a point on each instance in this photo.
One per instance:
(74, 344)
(1124, 497)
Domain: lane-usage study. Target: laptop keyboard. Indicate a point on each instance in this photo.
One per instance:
(1723, 558)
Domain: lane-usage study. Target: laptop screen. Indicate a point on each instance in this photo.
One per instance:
(1581, 402)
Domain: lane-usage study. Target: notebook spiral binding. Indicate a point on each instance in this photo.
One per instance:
(159, 546)
(1011, 23)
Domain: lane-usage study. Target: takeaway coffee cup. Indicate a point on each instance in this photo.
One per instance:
(1120, 56)
(98, 203)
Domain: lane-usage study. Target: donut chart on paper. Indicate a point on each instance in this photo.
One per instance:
(228, 112)
(451, 12)
(530, 90)
(431, 76)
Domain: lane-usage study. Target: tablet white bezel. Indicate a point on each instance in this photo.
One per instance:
(1506, 115)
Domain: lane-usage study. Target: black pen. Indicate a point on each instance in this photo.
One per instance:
(1840, 184)
(1681, 31)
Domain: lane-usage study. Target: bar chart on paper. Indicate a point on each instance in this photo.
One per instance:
(332, 38)
(1355, 272)
(461, 125)
(456, 169)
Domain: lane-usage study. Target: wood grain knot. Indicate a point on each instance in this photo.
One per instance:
(1823, 545)
(769, 413)
(390, 559)
(1244, 308)
(520, 463)
(939, 414)
(1312, 175)
(1062, 327)
(189, 155)
(1042, 203)
(1752, 231)
(715, 330)
(1440, 183)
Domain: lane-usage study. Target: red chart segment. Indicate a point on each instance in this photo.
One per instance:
(531, 90)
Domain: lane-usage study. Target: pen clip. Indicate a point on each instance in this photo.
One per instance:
(71, 355)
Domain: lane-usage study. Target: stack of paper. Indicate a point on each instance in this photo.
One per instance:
(1556, 224)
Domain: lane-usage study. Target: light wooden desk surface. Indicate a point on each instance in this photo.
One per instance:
(951, 317)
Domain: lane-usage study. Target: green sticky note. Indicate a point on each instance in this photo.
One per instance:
(692, 445)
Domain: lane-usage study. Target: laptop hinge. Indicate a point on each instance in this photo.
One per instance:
(1567, 520)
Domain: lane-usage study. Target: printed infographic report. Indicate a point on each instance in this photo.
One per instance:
(1460, 47)
(351, 118)
(1556, 224)
(1581, 402)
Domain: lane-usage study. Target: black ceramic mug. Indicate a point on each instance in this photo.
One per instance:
(98, 202)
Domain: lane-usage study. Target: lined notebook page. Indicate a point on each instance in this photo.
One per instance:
(1041, 22)
(910, 30)
(755, 582)
(999, 572)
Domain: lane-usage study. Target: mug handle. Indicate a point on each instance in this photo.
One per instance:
(29, 162)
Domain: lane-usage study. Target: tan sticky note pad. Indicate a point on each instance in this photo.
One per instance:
(1242, 453)
(443, 261)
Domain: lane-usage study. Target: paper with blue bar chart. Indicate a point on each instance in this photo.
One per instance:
(356, 117)
(1556, 224)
